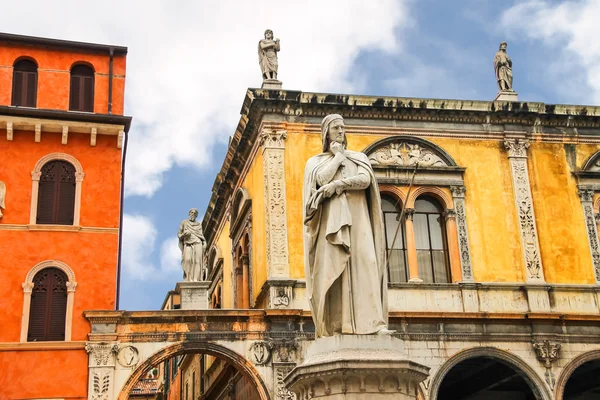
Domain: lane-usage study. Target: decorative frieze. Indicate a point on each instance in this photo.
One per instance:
(275, 207)
(547, 352)
(587, 196)
(517, 154)
(458, 197)
(405, 154)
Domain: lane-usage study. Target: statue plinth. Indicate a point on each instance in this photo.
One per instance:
(271, 84)
(356, 367)
(194, 295)
(507, 95)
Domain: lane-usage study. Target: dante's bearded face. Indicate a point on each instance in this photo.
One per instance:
(193, 215)
(268, 35)
(503, 47)
(337, 131)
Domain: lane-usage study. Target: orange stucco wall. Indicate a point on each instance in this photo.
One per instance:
(54, 76)
(41, 374)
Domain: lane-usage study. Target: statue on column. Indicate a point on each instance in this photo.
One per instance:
(192, 245)
(267, 59)
(344, 242)
(503, 68)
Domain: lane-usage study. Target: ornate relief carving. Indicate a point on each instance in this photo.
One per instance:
(281, 298)
(449, 214)
(406, 154)
(260, 353)
(458, 195)
(284, 350)
(275, 210)
(517, 153)
(547, 352)
(100, 386)
(281, 392)
(128, 356)
(101, 353)
(587, 195)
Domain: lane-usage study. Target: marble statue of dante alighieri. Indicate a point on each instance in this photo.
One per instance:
(191, 244)
(267, 55)
(503, 68)
(344, 243)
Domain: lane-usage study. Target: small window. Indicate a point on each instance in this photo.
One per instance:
(82, 89)
(430, 240)
(24, 90)
(47, 313)
(395, 240)
(56, 193)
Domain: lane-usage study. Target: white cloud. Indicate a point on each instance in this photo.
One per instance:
(571, 28)
(190, 62)
(170, 256)
(139, 236)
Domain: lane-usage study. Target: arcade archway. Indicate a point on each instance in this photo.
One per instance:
(232, 360)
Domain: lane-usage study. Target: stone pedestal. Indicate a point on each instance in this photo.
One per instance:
(507, 95)
(356, 367)
(194, 295)
(271, 84)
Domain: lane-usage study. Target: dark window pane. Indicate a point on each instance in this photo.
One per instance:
(48, 309)
(388, 204)
(82, 89)
(435, 226)
(24, 84)
(56, 193)
(397, 263)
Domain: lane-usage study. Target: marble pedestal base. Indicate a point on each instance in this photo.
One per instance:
(272, 84)
(353, 367)
(506, 95)
(194, 295)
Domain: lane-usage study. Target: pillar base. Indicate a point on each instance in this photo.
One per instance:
(507, 95)
(271, 84)
(194, 295)
(353, 367)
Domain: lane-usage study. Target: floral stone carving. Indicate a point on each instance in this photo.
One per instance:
(405, 154)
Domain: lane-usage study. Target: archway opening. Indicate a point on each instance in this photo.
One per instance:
(485, 378)
(193, 371)
(584, 384)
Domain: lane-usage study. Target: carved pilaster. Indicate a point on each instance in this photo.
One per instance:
(458, 197)
(587, 196)
(101, 367)
(284, 360)
(547, 352)
(517, 154)
(275, 207)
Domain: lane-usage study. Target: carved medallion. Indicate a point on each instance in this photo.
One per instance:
(128, 356)
(260, 353)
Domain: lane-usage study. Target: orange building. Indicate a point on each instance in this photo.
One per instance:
(62, 134)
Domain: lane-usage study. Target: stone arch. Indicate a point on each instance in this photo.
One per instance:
(241, 200)
(537, 385)
(593, 163)
(570, 368)
(35, 184)
(436, 192)
(210, 348)
(394, 191)
(431, 155)
(28, 288)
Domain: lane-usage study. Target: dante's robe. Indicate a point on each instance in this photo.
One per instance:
(267, 57)
(191, 245)
(344, 247)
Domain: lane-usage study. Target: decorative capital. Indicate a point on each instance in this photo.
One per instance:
(273, 139)
(597, 218)
(586, 193)
(517, 148)
(450, 214)
(546, 352)
(71, 287)
(27, 287)
(408, 213)
(101, 352)
(458, 191)
(284, 350)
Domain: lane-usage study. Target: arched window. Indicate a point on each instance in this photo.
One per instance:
(395, 240)
(48, 309)
(24, 89)
(56, 193)
(82, 89)
(430, 241)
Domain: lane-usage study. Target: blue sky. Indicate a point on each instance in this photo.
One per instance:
(190, 62)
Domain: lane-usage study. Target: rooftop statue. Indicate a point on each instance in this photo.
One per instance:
(192, 245)
(267, 56)
(503, 68)
(344, 242)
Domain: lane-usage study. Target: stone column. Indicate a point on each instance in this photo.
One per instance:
(411, 247)
(458, 197)
(245, 281)
(101, 374)
(273, 144)
(27, 289)
(587, 196)
(517, 155)
(69, 317)
(453, 253)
